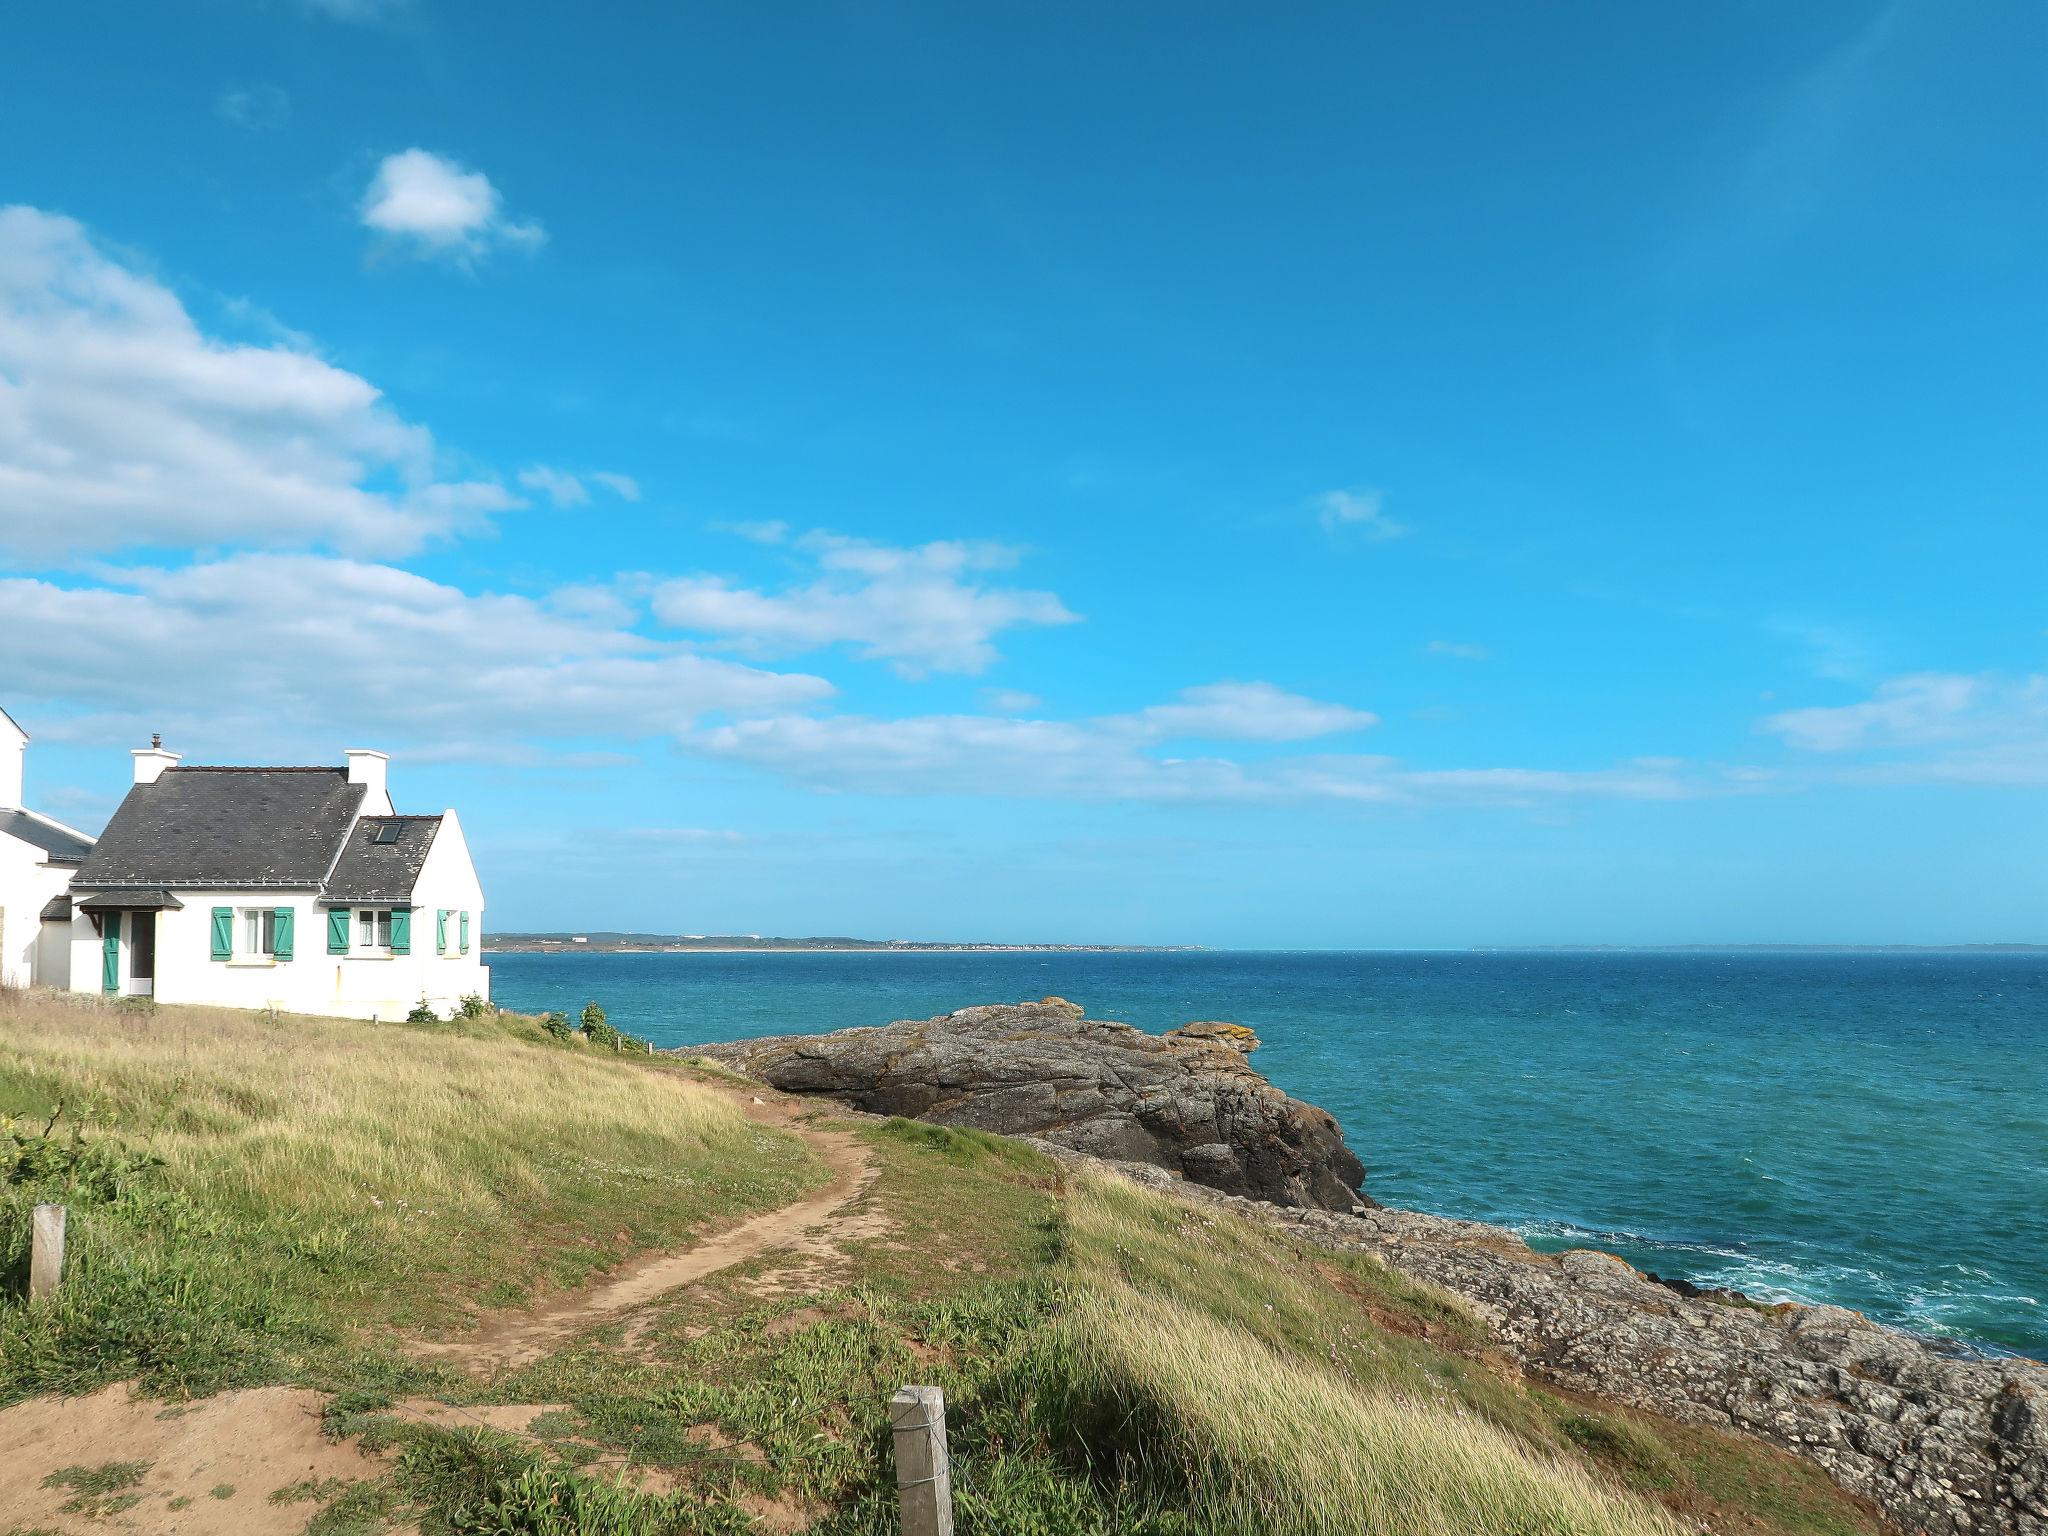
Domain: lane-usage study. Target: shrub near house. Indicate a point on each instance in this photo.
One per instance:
(289, 888)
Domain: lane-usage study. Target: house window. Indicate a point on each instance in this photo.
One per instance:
(259, 932)
(373, 932)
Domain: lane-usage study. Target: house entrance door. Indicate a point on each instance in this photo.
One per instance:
(142, 953)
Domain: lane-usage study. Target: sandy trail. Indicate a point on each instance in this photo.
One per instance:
(211, 1465)
(522, 1338)
(205, 1468)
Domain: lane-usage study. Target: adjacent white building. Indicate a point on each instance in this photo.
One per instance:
(299, 889)
(38, 857)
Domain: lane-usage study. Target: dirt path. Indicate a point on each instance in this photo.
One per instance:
(514, 1339)
(210, 1467)
(205, 1468)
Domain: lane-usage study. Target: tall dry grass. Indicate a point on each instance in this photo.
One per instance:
(327, 1118)
(1303, 1430)
(318, 1176)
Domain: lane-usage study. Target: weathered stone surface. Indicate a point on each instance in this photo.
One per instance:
(1945, 1445)
(1188, 1102)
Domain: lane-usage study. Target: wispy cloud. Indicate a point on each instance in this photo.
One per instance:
(421, 204)
(1356, 514)
(258, 108)
(1120, 758)
(1107, 760)
(1931, 727)
(1459, 650)
(123, 424)
(344, 646)
(1758, 198)
(923, 609)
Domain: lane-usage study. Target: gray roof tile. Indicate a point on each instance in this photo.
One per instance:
(227, 827)
(370, 871)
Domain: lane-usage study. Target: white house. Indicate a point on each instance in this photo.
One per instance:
(291, 888)
(38, 857)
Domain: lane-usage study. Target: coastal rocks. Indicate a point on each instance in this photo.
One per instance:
(1188, 1102)
(1944, 1445)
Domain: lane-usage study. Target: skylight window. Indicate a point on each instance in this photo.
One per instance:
(386, 833)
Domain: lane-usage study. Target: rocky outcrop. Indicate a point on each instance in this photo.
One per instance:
(1188, 1101)
(1945, 1445)
(1942, 1444)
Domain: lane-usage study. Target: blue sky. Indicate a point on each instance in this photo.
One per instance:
(1355, 475)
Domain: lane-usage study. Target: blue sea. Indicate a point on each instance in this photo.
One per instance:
(1868, 1129)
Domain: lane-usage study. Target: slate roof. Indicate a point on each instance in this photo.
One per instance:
(60, 845)
(374, 872)
(57, 910)
(226, 827)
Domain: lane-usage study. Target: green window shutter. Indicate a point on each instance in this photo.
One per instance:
(337, 930)
(110, 952)
(440, 930)
(465, 933)
(223, 933)
(401, 931)
(281, 945)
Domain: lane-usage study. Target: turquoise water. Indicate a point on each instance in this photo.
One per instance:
(1864, 1129)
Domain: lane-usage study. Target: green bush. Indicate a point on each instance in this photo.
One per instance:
(423, 1013)
(557, 1024)
(473, 1005)
(599, 1032)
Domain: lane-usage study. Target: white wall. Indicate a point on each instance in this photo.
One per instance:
(448, 883)
(26, 886)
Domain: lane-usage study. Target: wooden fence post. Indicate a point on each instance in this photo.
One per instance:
(46, 1252)
(924, 1474)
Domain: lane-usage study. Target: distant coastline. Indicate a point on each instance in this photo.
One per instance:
(740, 944)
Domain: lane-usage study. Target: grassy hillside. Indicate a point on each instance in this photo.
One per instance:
(1115, 1360)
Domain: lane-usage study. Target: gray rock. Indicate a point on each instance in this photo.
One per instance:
(1188, 1101)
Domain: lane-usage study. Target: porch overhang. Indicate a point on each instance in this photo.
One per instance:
(131, 901)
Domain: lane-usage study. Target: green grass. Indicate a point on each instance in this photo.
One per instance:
(1115, 1360)
(99, 1492)
(255, 1198)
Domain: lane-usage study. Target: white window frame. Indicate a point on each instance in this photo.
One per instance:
(256, 934)
(377, 921)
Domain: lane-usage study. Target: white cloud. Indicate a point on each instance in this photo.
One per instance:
(123, 425)
(1360, 514)
(258, 108)
(563, 490)
(1241, 712)
(1915, 710)
(917, 608)
(424, 204)
(1459, 650)
(1115, 757)
(1011, 701)
(1931, 728)
(264, 649)
(1104, 760)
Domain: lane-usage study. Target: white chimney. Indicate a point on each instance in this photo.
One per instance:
(13, 755)
(368, 769)
(152, 760)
